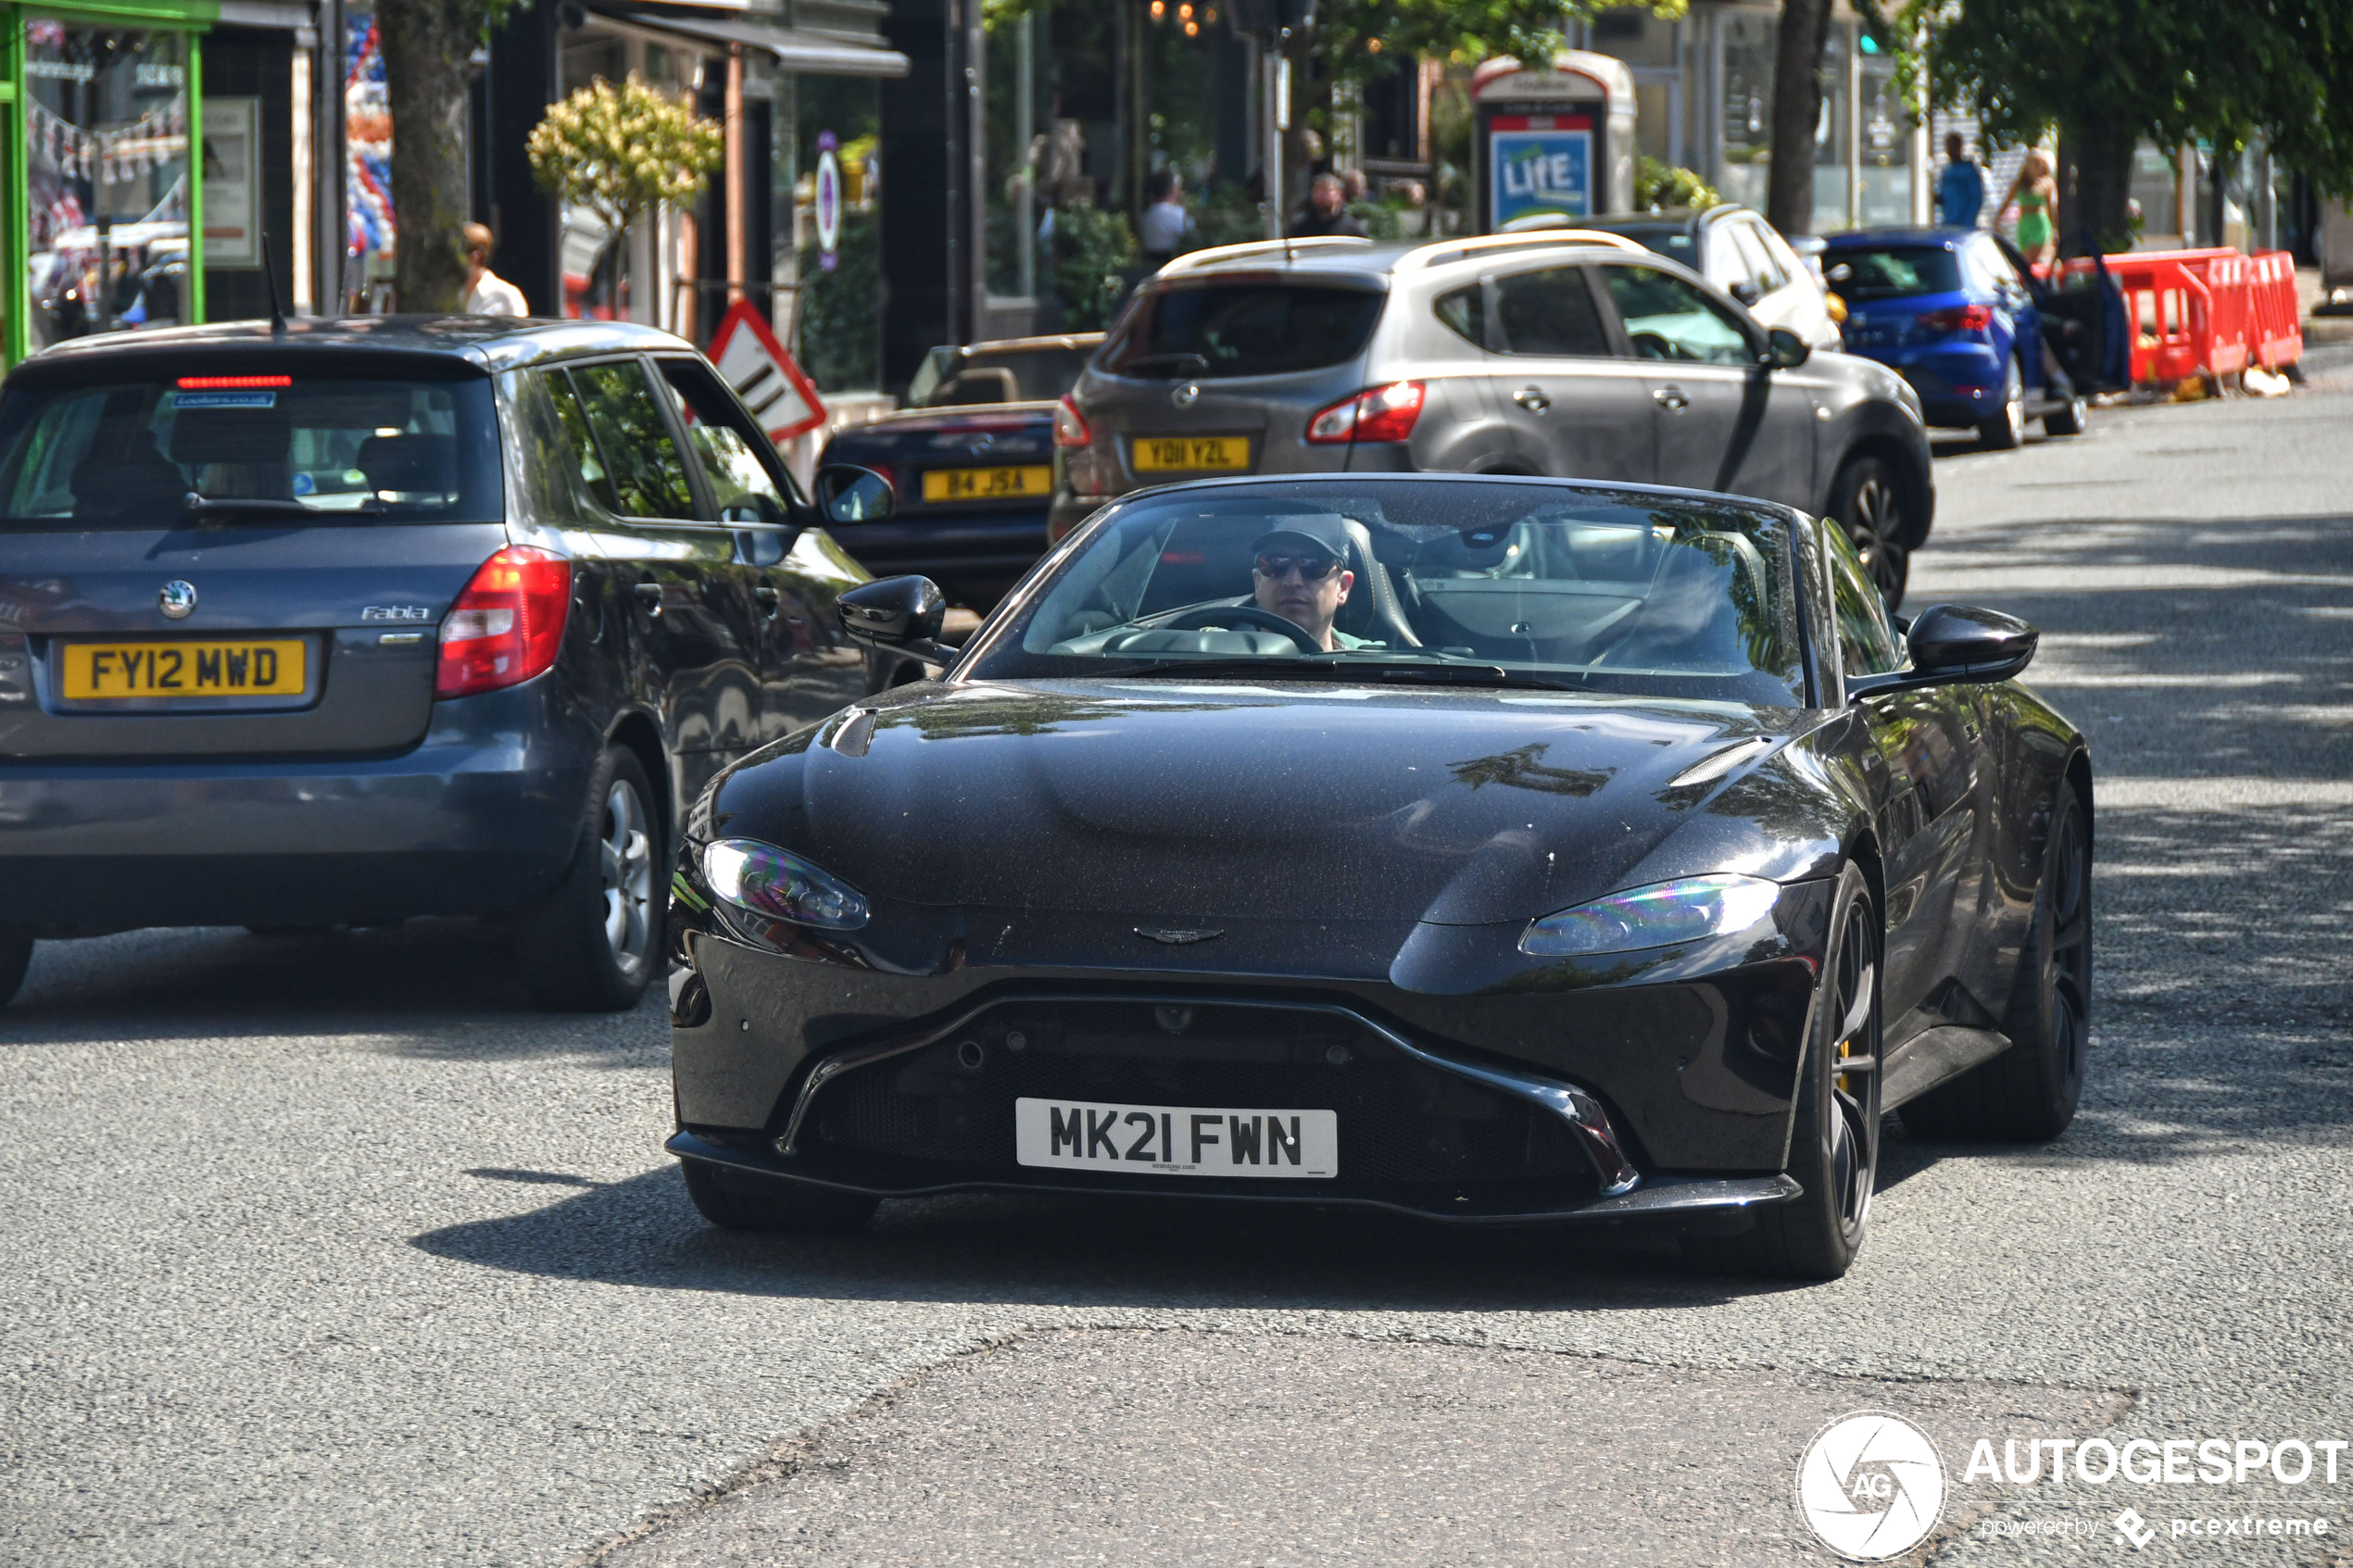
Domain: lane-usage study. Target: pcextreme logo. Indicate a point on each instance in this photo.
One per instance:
(1870, 1485)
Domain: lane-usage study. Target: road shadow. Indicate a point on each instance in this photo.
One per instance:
(1069, 1250)
(424, 987)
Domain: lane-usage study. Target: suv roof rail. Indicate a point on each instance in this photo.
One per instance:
(1441, 251)
(1195, 259)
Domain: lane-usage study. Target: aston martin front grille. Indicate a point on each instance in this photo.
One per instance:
(1401, 1123)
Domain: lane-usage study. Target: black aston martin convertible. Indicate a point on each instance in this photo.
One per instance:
(1490, 849)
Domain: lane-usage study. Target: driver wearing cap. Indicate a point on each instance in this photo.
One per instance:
(1301, 573)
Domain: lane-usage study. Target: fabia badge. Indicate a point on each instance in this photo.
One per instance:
(178, 599)
(1870, 1485)
(1178, 935)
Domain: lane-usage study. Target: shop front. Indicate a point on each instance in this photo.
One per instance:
(99, 198)
(118, 215)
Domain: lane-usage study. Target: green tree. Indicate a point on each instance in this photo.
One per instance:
(841, 340)
(623, 151)
(1099, 258)
(2107, 72)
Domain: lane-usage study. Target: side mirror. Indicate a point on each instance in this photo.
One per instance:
(1954, 642)
(760, 546)
(1784, 350)
(1746, 292)
(902, 614)
(849, 494)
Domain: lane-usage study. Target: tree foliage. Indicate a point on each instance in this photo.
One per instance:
(1661, 185)
(623, 151)
(2106, 72)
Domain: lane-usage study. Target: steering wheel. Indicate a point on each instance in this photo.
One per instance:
(1225, 615)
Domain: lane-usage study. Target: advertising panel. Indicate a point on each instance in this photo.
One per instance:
(1541, 163)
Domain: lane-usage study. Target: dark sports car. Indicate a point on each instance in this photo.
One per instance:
(972, 456)
(1549, 852)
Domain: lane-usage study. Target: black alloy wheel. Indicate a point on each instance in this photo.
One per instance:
(1835, 1143)
(737, 1200)
(16, 957)
(2029, 1093)
(1868, 501)
(2006, 429)
(592, 944)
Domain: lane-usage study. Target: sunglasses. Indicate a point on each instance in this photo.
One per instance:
(1311, 568)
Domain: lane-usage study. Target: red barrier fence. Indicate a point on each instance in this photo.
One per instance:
(2205, 312)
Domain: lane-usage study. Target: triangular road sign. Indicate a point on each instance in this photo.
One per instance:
(763, 375)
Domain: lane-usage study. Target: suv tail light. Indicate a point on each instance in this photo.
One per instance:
(1959, 319)
(507, 624)
(1386, 413)
(1070, 426)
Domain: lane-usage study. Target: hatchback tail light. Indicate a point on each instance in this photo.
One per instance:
(507, 624)
(1385, 413)
(1959, 319)
(1070, 426)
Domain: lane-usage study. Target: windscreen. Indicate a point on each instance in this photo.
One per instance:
(1243, 330)
(1667, 239)
(1475, 582)
(1038, 375)
(255, 449)
(1892, 274)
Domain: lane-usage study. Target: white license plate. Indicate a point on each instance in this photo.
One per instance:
(1176, 1140)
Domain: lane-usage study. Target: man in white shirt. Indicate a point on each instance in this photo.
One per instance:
(1166, 229)
(487, 294)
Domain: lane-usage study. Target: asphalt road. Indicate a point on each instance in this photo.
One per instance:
(328, 1251)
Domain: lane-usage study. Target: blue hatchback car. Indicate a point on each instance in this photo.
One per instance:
(341, 622)
(1954, 312)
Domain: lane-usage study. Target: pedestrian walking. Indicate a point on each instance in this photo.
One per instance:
(2038, 196)
(487, 294)
(1960, 189)
(1326, 211)
(1165, 232)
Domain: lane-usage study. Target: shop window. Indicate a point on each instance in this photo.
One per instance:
(837, 321)
(1886, 149)
(107, 118)
(1747, 109)
(367, 121)
(1833, 131)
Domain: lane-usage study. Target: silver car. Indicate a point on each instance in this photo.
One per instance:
(1565, 353)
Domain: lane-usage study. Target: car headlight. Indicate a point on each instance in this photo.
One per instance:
(1658, 916)
(779, 884)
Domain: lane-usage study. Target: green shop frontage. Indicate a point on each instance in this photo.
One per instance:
(149, 145)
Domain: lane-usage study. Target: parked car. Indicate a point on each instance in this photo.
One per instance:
(1739, 253)
(1957, 317)
(971, 457)
(1585, 357)
(1571, 852)
(353, 621)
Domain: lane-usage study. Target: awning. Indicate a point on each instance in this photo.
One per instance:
(793, 48)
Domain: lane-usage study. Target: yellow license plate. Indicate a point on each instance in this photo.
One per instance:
(273, 668)
(1164, 454)
(987, 484)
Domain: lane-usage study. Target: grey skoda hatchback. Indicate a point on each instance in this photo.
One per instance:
(1563, 352)
(361, 619)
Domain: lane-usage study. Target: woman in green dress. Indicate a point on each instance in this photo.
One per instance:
(2038, 196)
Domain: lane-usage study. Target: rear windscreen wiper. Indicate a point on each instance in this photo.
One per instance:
(267, 505)
(1175, 364)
